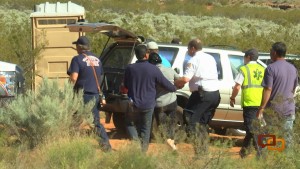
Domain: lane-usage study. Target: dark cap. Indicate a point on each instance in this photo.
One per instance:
(154, 58)
(251, 52)
(82, 40)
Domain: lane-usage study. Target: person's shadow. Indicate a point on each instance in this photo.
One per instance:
(117, 134)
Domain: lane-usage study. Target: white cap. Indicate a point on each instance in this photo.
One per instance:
(152, 45)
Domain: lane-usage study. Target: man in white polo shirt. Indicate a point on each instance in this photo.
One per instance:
(201, 73)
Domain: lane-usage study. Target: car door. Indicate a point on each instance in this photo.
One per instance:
(222, 110)
(235, 113)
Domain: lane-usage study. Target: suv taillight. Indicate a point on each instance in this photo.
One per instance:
(123, 89)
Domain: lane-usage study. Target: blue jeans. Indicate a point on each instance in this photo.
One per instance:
(138, 124)
(100, 130)
(288, 127)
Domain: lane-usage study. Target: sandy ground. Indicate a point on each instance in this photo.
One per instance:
(118, 140)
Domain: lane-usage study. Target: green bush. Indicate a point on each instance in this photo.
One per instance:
(73, 153)
(130, 157)
(241, 25)
(49, 112)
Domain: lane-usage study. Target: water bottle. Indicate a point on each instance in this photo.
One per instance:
(130, 105)
(262, 121)
(102, 99)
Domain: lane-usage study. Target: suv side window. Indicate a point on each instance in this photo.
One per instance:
(235, 63)
(217, 59)
(119, 57)
(219, 66)
(169, 53)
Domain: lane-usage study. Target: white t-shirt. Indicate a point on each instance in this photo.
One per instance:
(239, 79)
(202, 70)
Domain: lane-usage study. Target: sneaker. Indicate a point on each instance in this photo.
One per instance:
(171, 144)
(105, 148)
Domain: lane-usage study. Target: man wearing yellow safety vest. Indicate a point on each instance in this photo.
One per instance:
(249, 79)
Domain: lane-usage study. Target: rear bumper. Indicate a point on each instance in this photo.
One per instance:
(116, 104)
(215, 123)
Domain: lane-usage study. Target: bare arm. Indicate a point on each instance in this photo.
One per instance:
(235, 91)
(179, 83)
(265, 98)
(73, 78)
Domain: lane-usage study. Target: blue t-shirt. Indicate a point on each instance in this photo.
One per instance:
(86, 78)
(282, 77)
(165, 62)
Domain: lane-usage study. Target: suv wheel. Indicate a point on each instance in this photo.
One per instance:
(119, 121)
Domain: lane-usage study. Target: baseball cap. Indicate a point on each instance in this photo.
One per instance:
(251, 52)
(82, 40)
(152, 45)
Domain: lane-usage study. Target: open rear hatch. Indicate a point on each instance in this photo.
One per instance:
(107, 29)
(113, 74)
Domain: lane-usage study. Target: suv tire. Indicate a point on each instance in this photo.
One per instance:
(119, 121)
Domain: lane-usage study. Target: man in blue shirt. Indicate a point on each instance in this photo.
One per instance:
(84, 69)
(153, 47)
(140, 79)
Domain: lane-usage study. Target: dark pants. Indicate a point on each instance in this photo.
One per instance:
(100, 130)
(249, 114)
(198, 113)
(201, 109)
(138, 124)
(166, 116)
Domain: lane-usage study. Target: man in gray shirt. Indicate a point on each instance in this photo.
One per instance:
(166, 104)
(280, 82)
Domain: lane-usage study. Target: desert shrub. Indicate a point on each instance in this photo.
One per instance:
(8, 156)
(130, 156)
(60, 152)
(240, 26)
(242, 33)
(278, 159)
(16, 38)
(70, 153)
(48, 112)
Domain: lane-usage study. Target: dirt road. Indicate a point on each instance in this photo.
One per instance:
(120, 139)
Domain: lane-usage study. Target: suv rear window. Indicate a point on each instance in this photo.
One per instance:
(118, 57)
(114, 63)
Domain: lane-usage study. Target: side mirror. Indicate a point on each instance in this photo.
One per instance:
(177, 70)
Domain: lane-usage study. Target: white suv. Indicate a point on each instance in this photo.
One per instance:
(120, 53)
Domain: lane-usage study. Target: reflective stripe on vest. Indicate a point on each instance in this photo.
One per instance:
(252, 89)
